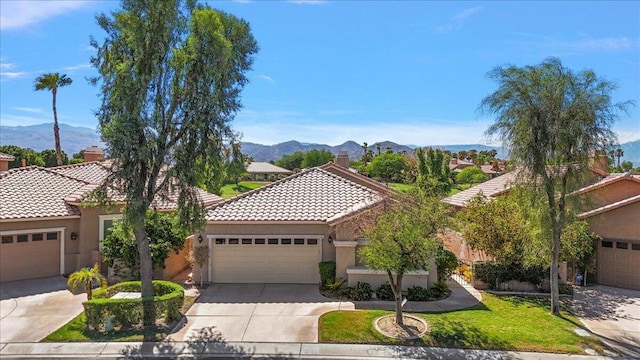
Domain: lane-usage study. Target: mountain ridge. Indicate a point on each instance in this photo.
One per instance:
(75, 138)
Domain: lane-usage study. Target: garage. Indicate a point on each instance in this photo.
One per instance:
(29, 254)
(265, 259)
(617, 263)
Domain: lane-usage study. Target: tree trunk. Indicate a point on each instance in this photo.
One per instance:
(555, 255)
(56, 129)
(146, 274)
(396, 287)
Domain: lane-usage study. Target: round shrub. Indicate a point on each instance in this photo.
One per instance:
(361, 292)
(418, 293)
(385, 292)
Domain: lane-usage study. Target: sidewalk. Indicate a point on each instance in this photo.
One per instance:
(217, 348)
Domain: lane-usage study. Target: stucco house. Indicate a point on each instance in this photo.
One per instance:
(264, 170)
(46, 227)
(611, 205)
(280, 232)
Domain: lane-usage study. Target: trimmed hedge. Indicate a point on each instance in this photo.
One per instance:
(126, 313)
(494, 273)
(327, 271)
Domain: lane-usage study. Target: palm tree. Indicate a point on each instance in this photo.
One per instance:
(86, 277)
(52, 81)
(619, 153)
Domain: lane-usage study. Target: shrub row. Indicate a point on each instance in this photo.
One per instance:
(494, 273)
(125, 313)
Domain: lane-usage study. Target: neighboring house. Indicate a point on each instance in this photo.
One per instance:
(46, 227)
(5, 159)
(611, 205)
(265, 170)
(612, 208)
(280, 232)
(456, 165)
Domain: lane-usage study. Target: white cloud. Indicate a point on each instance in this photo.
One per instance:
(19, 14)
(6, 66)
(28, 109)
(458, 20)
(10, 75)
(267, 78)
(583, 44)
(77, 67)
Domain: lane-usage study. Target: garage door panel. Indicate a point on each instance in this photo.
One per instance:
(28, 260)
(619, 265)
(264, 263)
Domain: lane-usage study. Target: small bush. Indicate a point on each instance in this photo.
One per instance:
(439, 290)
(565, 289)
(327, 271)
(465, 271)
(361, 292)
(418, 293)
(494, 273)
(385, 292)
(334, 288)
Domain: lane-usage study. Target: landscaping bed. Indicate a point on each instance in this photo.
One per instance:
(77, 330)
(501, 323)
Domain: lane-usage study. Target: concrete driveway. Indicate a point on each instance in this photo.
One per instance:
(611, 313)
(32, 309)
(259, 313)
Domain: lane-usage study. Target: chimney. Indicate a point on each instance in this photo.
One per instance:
(24, 163)
(599, 162)
(342, 159)
(93, 153)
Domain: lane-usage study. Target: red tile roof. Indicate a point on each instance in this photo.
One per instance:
(609, 207)
(489, 188)
(311, 195)
(7, 157)
(36, 192)
(612, 178)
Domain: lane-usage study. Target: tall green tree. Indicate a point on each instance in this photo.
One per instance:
(291, 161)
(404, 238)
(50, 158)
(315, 157)
(51, 82)
(170, 75)
(551, 120)
(387, 166)
(433, 171)
(30, 156)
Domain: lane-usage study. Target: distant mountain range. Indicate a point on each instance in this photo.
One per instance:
(76, 138)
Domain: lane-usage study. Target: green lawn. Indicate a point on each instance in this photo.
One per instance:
(75, 330)
(230, 190)
(504, 323)
(401, 187)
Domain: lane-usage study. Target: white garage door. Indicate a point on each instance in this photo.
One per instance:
(265, 259)
(619, 263)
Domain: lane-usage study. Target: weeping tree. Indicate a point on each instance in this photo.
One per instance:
(552, 119)
(403, 239)
(170, 75)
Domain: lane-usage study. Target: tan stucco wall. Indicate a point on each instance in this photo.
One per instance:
(622, 223)
(609, 194)
(345, 257)
(176, 262)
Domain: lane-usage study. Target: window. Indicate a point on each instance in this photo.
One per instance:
(37, 237)
(273, 241)
(52, 236)
(247, 241)
(221, 241)
(233, 241)
(635, 246)
(259, 241)
(622, 245)
(298, 241)
(22, 238)
(312, 241)
(607, 244)
(285, 241)
(105, 223)
(7, 239)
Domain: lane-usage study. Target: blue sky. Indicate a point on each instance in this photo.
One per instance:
(411, 72)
